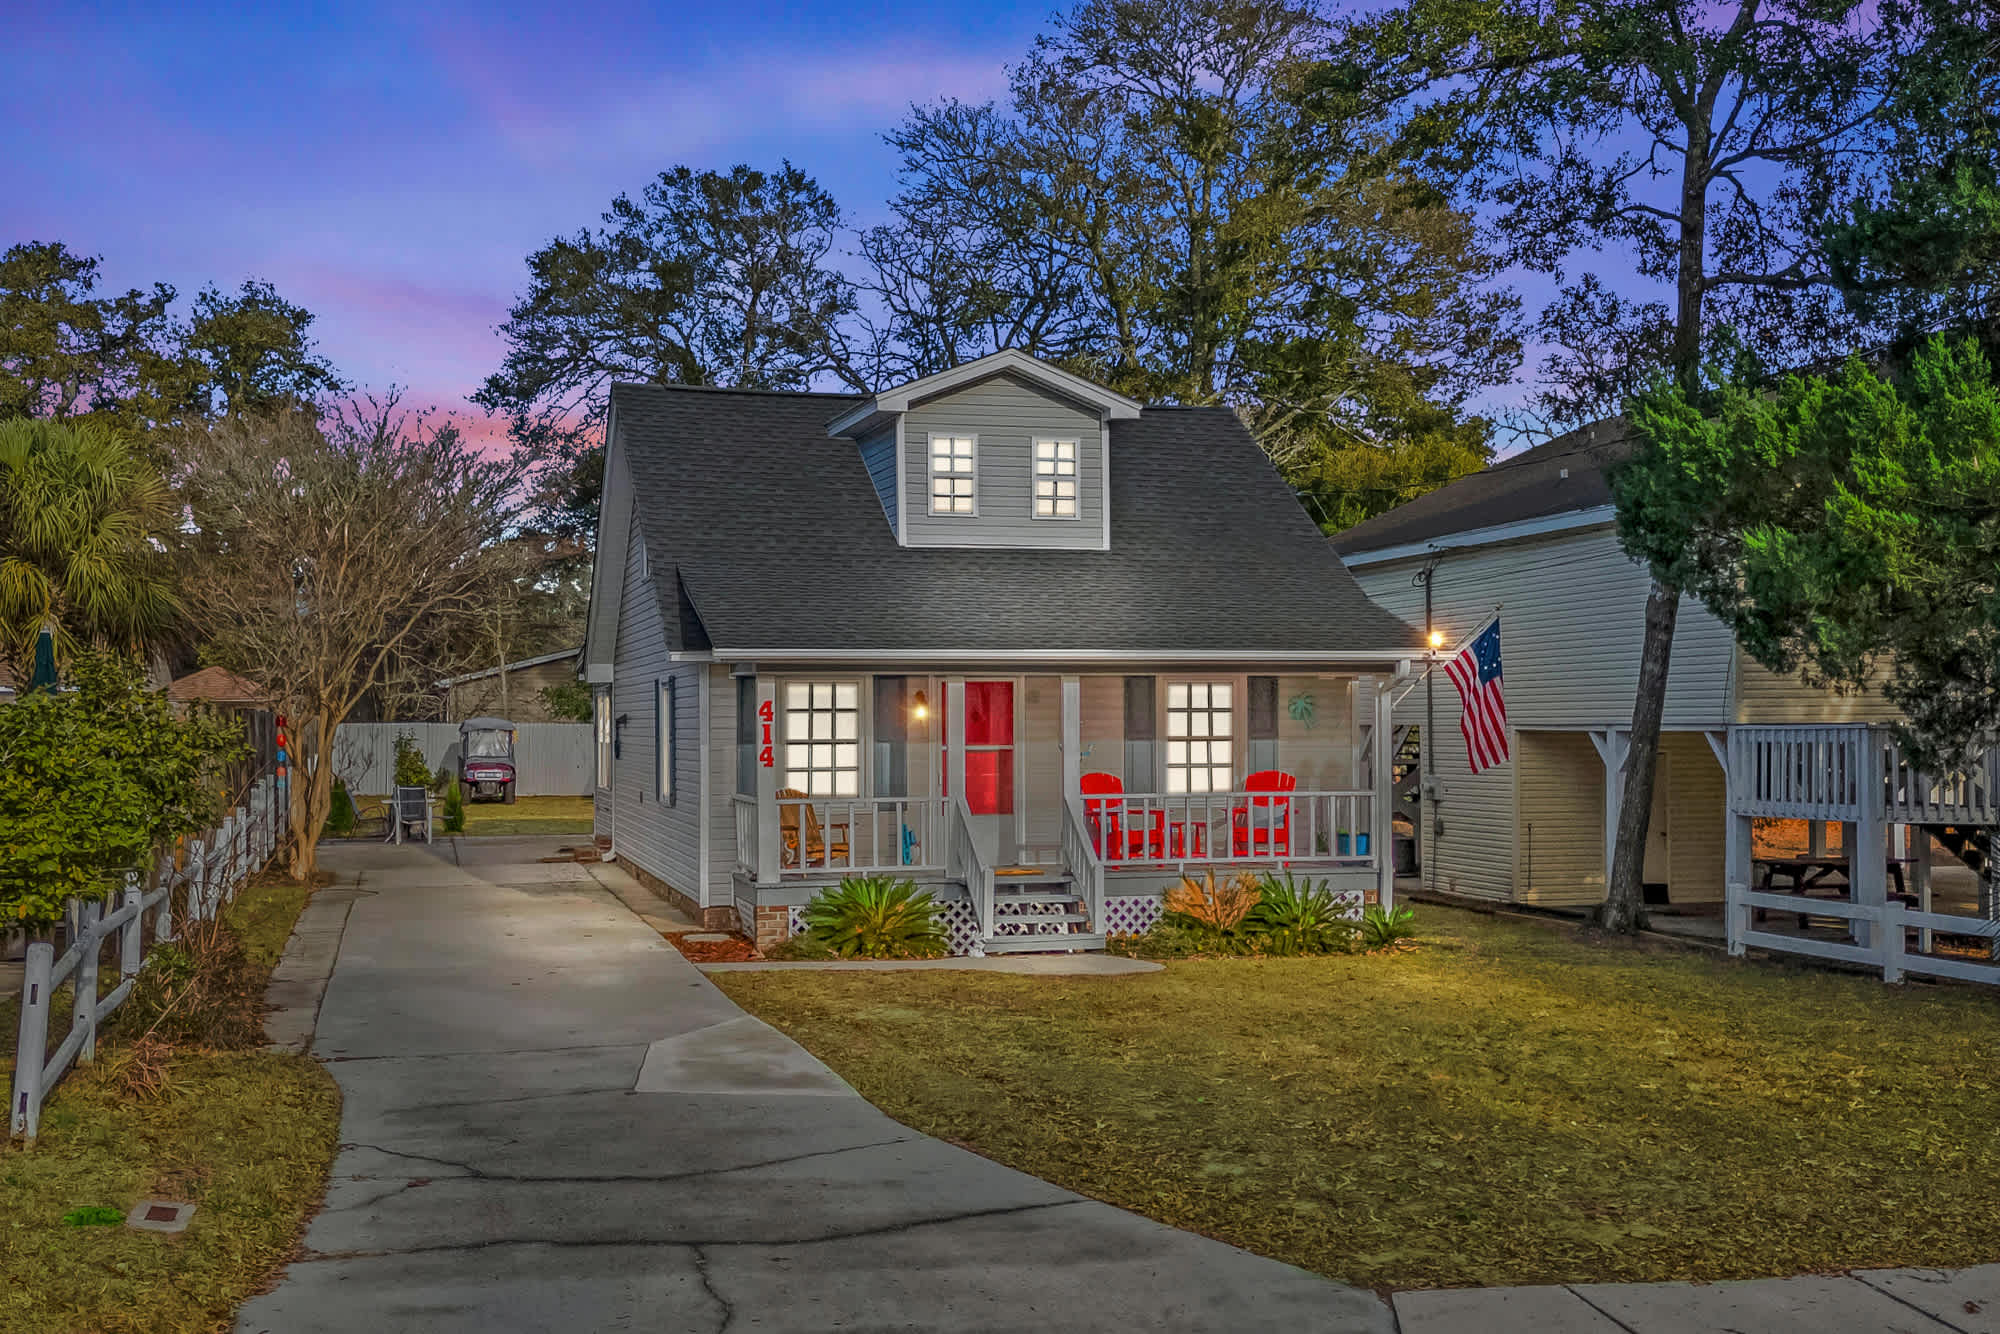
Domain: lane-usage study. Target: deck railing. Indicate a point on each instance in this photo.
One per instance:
(1799, 772)
(1153, 828)
(857, 834)
(1962, 796)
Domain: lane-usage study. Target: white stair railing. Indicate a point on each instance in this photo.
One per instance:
(964, 862)
(1080, 859)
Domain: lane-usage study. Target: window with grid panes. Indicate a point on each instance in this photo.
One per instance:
(1055, 479)
(823, 738)
(954, 474)
(1200, 725)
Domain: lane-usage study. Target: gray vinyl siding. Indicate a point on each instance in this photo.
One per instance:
(1007, 415)
(660, 839)
(878, 455)
(720, 787)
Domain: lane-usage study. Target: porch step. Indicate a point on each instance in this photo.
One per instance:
(1050, 896)
(1048, 944)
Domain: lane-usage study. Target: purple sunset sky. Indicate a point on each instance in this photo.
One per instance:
(390, 167)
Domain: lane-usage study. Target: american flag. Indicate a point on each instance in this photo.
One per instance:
(1483, 720)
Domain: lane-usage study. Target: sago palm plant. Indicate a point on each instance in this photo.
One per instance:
(81, 523)
(877, 917)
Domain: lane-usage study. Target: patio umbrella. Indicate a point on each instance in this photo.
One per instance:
(44, 675)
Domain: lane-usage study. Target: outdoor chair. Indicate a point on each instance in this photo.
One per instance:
(1105, 818)
(412, 812)
(1264, 824)
(817, 845)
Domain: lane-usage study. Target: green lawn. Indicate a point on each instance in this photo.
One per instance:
(1509, 1104)
(529, 815)
(246, 1135)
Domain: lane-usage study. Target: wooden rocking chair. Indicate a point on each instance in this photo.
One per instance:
(817, 845)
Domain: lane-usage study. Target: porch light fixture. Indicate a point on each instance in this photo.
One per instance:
(1437, 640)
(920, 708)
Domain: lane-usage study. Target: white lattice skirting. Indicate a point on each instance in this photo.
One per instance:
(1133, 914)
(961, 924)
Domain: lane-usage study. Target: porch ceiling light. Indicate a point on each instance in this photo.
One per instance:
(920, 708)
(1437, 639)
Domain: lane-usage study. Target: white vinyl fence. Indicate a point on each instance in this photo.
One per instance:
(550, 759)
(216, 867)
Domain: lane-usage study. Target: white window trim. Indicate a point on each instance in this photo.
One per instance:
(664, 705)
(602, 730)
(1166, 737)
(1076, 477)
(862, 777)
(930, 475)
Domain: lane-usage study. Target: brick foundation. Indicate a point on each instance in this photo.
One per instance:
(774, 924)
(710, 919)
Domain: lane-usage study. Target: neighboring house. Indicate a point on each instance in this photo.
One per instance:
(1534, 536)
(999, 630)
(217, 686)
(513, 691)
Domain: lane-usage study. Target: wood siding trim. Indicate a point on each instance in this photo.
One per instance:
(1005, 415)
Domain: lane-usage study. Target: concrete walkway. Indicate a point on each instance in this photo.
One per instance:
(553, 1121)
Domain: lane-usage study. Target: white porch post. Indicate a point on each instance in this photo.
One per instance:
(954, 738)
(1612, 747)
(1072, 737)
(1736, 868)
(1384, 785)
(768, 744)
(1866, 841)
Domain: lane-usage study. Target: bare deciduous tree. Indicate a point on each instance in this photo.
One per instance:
(324, 552)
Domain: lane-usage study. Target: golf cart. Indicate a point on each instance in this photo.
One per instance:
(486, 759)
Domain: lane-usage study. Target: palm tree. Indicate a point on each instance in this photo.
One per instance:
(82, 518)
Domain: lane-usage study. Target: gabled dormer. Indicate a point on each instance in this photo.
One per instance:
(1005, 451)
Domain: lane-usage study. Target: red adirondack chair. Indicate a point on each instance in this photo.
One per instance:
(1104, 815)
(1264, 824)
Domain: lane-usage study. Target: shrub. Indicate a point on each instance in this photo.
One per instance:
(803, 947)
(1218, 907)
(1171, 939)
(1388, 930)
(1300, 917)
(340, 815)
(411, 768)
(567, 701)
(198, 989)
(877, 917)
(454, 808)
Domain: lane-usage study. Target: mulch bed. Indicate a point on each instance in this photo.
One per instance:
(736, 949)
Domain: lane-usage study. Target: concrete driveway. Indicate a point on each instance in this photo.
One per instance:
(554, 1122)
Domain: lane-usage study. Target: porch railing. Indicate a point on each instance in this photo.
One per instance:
(1151, 828)
(1079, 854)
(1800, 773)
(745, 809)
(965, 864)
(1964, 796)
(858, 834)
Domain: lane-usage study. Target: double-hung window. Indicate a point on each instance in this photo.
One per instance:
(954, 474)
(1200, 726)
(823, 738)
(1055, 479)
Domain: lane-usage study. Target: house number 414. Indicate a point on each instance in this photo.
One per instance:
(764, 716)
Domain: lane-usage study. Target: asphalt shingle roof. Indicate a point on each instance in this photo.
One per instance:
(781, 543)
(1528, 485)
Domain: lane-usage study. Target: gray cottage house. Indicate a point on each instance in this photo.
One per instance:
(1000, 630)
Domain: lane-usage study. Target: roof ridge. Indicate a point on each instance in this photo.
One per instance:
(736, 389)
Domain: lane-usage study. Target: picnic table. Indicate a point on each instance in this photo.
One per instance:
(1808, 873)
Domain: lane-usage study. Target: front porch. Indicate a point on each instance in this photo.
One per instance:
(1047, 811)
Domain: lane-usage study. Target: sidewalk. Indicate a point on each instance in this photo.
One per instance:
(553, 1121)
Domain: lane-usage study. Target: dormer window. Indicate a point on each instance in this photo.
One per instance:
(954, 474)
(1055, 479)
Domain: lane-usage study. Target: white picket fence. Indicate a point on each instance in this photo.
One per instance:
(550, 759)
(215, 868)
